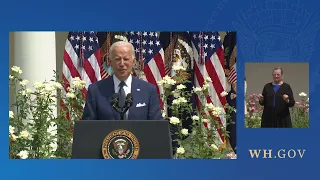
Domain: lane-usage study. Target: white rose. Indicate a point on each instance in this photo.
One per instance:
(176, 94)
(174, 120)
(38, 85)
(11, 77)
(164, 114)
(70, 95)
(197, 90)
(176, 67)
(16, 69)
(11, 129)
(183, 100)
(214, 146)
(28, 91)
(171, 82)
(78, 83)
(205, 86)
(175, 102)
(14, 137)
(195, 118)
(48, 88)
(205, 120)
(53, 146)
(223, 94)
(217, 111)
(210, 106)
(179, 101)
(184, 131)
(180, 150)
(11, 115)
(302, 94)
(208, 79)
(24, 134)
(70, 90)
(56, 85)
(24, 82)
(181, 86)
(161, 82)
(23, 154)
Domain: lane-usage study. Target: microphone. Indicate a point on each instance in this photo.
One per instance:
(128, 102)
(127, 105)
(115, 102)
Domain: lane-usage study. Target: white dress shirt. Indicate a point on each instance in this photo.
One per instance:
(126, 88)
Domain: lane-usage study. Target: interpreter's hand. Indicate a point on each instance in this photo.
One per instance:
(260, 96)
(285, 97)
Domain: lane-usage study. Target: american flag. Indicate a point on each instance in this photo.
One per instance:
(81, 59)
(232, 77)
(208, 57)
(149, 55)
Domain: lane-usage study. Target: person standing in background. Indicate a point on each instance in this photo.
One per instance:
(277, 98)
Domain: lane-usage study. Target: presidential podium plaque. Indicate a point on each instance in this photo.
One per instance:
(121, 139)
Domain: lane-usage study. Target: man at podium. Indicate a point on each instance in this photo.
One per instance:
(122, 96)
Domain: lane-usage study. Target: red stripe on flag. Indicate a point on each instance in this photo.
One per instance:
(150, 78)
(68, 61)
(220, 55)
(215, 81)
(97, 54)
(159, 61)
(201, 82)
(90, 71)
(66, 83)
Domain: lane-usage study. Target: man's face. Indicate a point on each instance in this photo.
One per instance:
(122, 61)
(277, 76)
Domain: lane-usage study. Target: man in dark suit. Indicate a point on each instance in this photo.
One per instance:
(146, 104)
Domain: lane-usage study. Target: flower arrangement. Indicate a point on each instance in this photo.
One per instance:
(254, 111)
(201, 140)
(299, 113)
(36, 130)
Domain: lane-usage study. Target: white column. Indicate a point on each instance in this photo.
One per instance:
(35, 53)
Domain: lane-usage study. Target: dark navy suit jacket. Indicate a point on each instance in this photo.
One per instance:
(98, 102)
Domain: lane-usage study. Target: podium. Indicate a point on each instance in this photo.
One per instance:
(121, 139)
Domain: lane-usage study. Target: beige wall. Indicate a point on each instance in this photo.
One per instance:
(295, 74)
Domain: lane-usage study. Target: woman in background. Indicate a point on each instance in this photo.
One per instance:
(277, 97)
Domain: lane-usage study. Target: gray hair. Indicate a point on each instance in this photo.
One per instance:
(278, 68)
(120, 43)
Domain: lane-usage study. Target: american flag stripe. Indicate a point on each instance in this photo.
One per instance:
(232, 78)
(91, 65)
(152, 74)
(159, 60)
(70, 67)
(66, 84)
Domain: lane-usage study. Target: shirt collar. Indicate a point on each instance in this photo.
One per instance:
(117, 81)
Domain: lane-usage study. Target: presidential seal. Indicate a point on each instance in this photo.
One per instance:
(120, 144)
